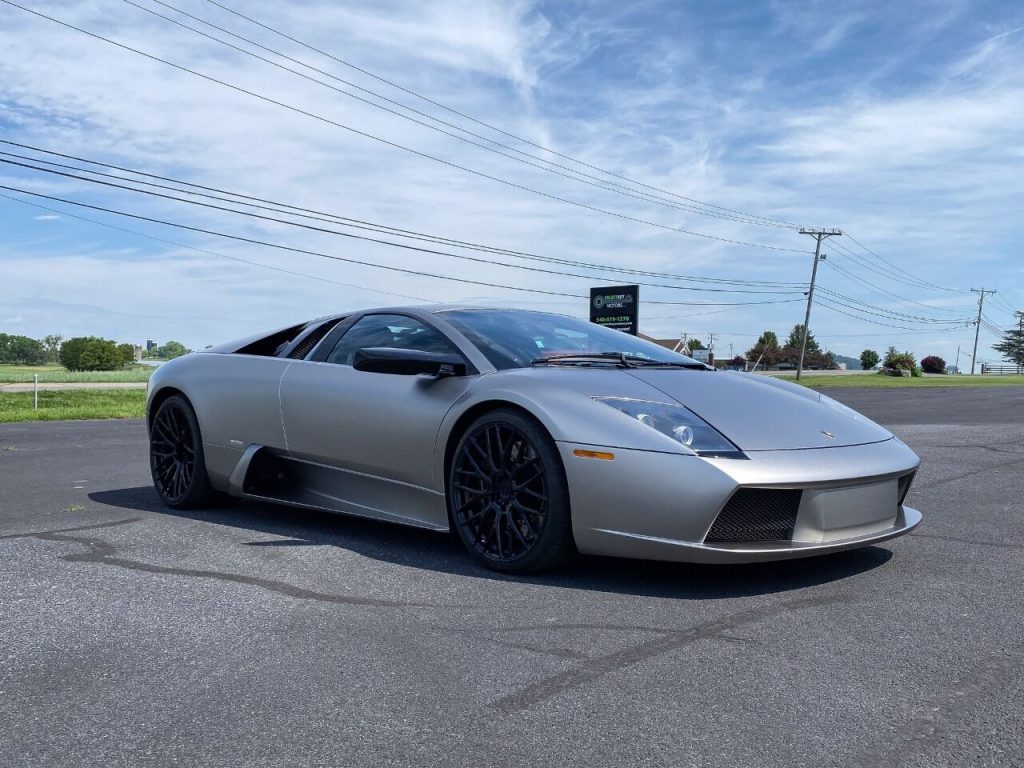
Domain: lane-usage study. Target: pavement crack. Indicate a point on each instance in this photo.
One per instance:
(593, 668)
(965, 475)
(75, 529)
(940, 712)
(105, 553)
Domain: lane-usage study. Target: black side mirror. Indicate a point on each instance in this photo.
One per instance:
(408, 362)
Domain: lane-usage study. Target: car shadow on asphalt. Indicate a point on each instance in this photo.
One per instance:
(417, 548)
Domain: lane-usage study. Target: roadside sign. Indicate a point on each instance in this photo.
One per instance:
(616, 306)
(699, 354)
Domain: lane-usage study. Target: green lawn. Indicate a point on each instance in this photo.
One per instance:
(56, 374)
(76, 404)
(925, 382)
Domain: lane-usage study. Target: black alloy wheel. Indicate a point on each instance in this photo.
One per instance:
(176, 458)
(508, 496)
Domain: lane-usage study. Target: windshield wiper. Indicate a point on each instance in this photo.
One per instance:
(644, 363)
(619, 359)
(585, 358)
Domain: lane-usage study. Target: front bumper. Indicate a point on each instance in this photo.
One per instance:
(661, 506)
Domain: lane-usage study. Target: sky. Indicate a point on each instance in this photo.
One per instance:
(672, 138)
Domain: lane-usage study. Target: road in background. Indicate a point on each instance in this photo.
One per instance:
(131, 634)
(67, 386)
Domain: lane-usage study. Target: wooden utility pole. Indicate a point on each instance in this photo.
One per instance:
(977, 323)
(818, 235)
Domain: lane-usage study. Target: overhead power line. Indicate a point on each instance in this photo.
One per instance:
(825, 302)
(326, 230)
(489, 126)
(903, 271)
(301, 212)
(884, 293)
(863, 306)
(136, 233)
(491, 145)
(396, 145)
(1004, 305)
(333, 257)
(887, 273)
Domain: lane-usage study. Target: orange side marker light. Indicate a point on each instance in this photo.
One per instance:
(584, 454)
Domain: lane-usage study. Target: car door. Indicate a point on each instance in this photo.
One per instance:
(378, 430)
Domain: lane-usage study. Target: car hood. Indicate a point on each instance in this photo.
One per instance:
(759, 413)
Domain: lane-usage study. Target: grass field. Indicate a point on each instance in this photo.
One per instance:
(894, 382)
(56, 374)
(77, 404)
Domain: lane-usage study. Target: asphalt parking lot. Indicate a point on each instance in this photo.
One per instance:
(133, 635)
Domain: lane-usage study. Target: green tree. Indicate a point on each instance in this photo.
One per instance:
(21, 350)
(127, 352)
(765, 353)
(52, 345)
(90, 353)
(795, 339)
(71, 353)
(171, 350)
(868, 359)
(1012, 345)
(694, 344)
(101, 355)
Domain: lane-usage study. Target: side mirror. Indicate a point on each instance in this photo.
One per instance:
(408, 362)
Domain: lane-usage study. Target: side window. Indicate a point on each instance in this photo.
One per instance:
(397, 331)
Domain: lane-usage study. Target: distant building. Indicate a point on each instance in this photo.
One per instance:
(151, 345)
(673, 344)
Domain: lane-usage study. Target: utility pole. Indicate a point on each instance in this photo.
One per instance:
(818, 235)
(977, 323)
(1020, 317)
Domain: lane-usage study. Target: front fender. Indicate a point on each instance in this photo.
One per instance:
(567, 413)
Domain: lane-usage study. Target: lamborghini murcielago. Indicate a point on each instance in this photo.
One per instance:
(531, 435)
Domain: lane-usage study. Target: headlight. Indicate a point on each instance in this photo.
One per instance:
(678, 423)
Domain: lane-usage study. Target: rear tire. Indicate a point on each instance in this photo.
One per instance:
(507, 494)
(176, 459)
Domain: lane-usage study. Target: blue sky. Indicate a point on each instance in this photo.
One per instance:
(900, 123)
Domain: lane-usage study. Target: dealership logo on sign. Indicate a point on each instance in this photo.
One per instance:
(615, 307)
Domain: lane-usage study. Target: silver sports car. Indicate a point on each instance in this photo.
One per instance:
(532, 435)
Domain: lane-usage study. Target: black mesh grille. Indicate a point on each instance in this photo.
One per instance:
(305, 346)
(757, 514)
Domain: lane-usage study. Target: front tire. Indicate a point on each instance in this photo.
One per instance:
(176, 458)
(508, 497)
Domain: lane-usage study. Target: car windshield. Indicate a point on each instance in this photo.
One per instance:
(518, 339)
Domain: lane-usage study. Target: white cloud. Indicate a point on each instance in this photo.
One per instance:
(927, 173)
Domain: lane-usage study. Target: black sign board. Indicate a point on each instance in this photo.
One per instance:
(616, 307)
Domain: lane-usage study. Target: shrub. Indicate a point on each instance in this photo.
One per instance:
(899, 363)
(933, 364)
(89, 353)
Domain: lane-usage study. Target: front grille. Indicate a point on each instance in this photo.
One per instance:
(757, 514)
